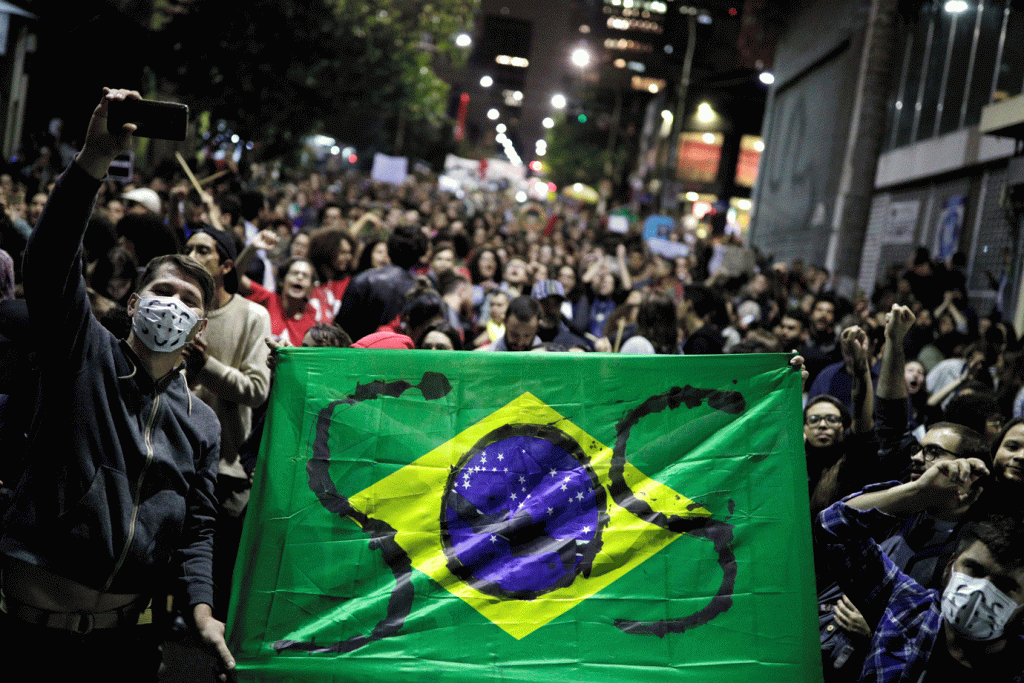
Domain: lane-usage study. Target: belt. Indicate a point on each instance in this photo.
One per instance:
(78, 622)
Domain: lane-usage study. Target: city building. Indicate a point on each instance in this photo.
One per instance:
(893, 125)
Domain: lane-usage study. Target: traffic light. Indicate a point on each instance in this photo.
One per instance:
(582, 118)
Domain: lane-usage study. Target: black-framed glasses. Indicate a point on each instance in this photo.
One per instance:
(932, 451)
(830, 420)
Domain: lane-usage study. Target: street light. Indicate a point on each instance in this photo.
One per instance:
(492, 114)
(956, 6)
(500, 128)
(548, 122)
(486, 82)
(558, 101)
(463, 40)
(666, 123)
(581, 57)
(767, 77)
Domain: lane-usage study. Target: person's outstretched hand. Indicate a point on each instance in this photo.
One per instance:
(101, 146)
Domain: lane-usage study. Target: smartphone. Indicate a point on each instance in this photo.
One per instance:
(163, 120)
(121, 168)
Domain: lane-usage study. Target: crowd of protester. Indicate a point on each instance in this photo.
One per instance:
(914, 400)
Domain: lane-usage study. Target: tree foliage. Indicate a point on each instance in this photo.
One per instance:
(279, 69)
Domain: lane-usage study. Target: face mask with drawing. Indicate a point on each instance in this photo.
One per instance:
(163, 323)
(975, 608)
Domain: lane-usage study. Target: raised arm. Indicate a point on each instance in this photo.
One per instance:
(620, 259)
(854, 342)
(948, 485)
(264, 239)
(972, 368)
(54, 286)
(891, 383)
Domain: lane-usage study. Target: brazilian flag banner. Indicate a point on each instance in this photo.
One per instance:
(446, 516)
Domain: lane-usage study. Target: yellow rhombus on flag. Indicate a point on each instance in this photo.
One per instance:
(407, 500)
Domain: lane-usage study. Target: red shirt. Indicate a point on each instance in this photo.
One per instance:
(326, 299)
(290, 330)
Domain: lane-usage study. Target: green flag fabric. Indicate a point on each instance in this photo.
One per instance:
(446, 516)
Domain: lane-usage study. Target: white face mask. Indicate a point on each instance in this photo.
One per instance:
(163, 323)
(975, 608)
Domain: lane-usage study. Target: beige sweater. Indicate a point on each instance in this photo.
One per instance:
(236, 378)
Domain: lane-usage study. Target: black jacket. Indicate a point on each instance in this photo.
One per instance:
(119, 486)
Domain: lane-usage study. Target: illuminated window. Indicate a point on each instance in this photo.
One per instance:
(651, 85)
(751, 147)
(506, 60)
(628, 24)
(627, 45)
(637, 6)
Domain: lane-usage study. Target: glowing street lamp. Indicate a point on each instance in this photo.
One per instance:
(580, 57)
(705, 114)
(486, 82)
(558, 101)
(463, 40)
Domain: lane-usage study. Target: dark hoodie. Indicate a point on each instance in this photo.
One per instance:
(118, 491)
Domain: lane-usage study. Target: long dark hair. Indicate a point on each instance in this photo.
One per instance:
(118, 262)
(474, 266)
(366, 257)
(323, 249)
(656, 321)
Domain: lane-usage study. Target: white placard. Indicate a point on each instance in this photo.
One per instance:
(392, 170)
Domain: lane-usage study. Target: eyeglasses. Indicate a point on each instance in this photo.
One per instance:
(830, 420)
(932, 451)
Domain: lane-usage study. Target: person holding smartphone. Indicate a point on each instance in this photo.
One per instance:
(118, 492)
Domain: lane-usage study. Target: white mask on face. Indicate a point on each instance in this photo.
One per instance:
(975, 608)
(163, 323)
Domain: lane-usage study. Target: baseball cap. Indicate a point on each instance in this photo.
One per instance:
(145, 196)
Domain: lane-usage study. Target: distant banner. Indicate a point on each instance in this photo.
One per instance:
(951, 222)
(391, 170)
(901, 222)
(667, 248)
(426, 516)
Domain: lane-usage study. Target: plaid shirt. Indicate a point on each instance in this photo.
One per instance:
(906, 615)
